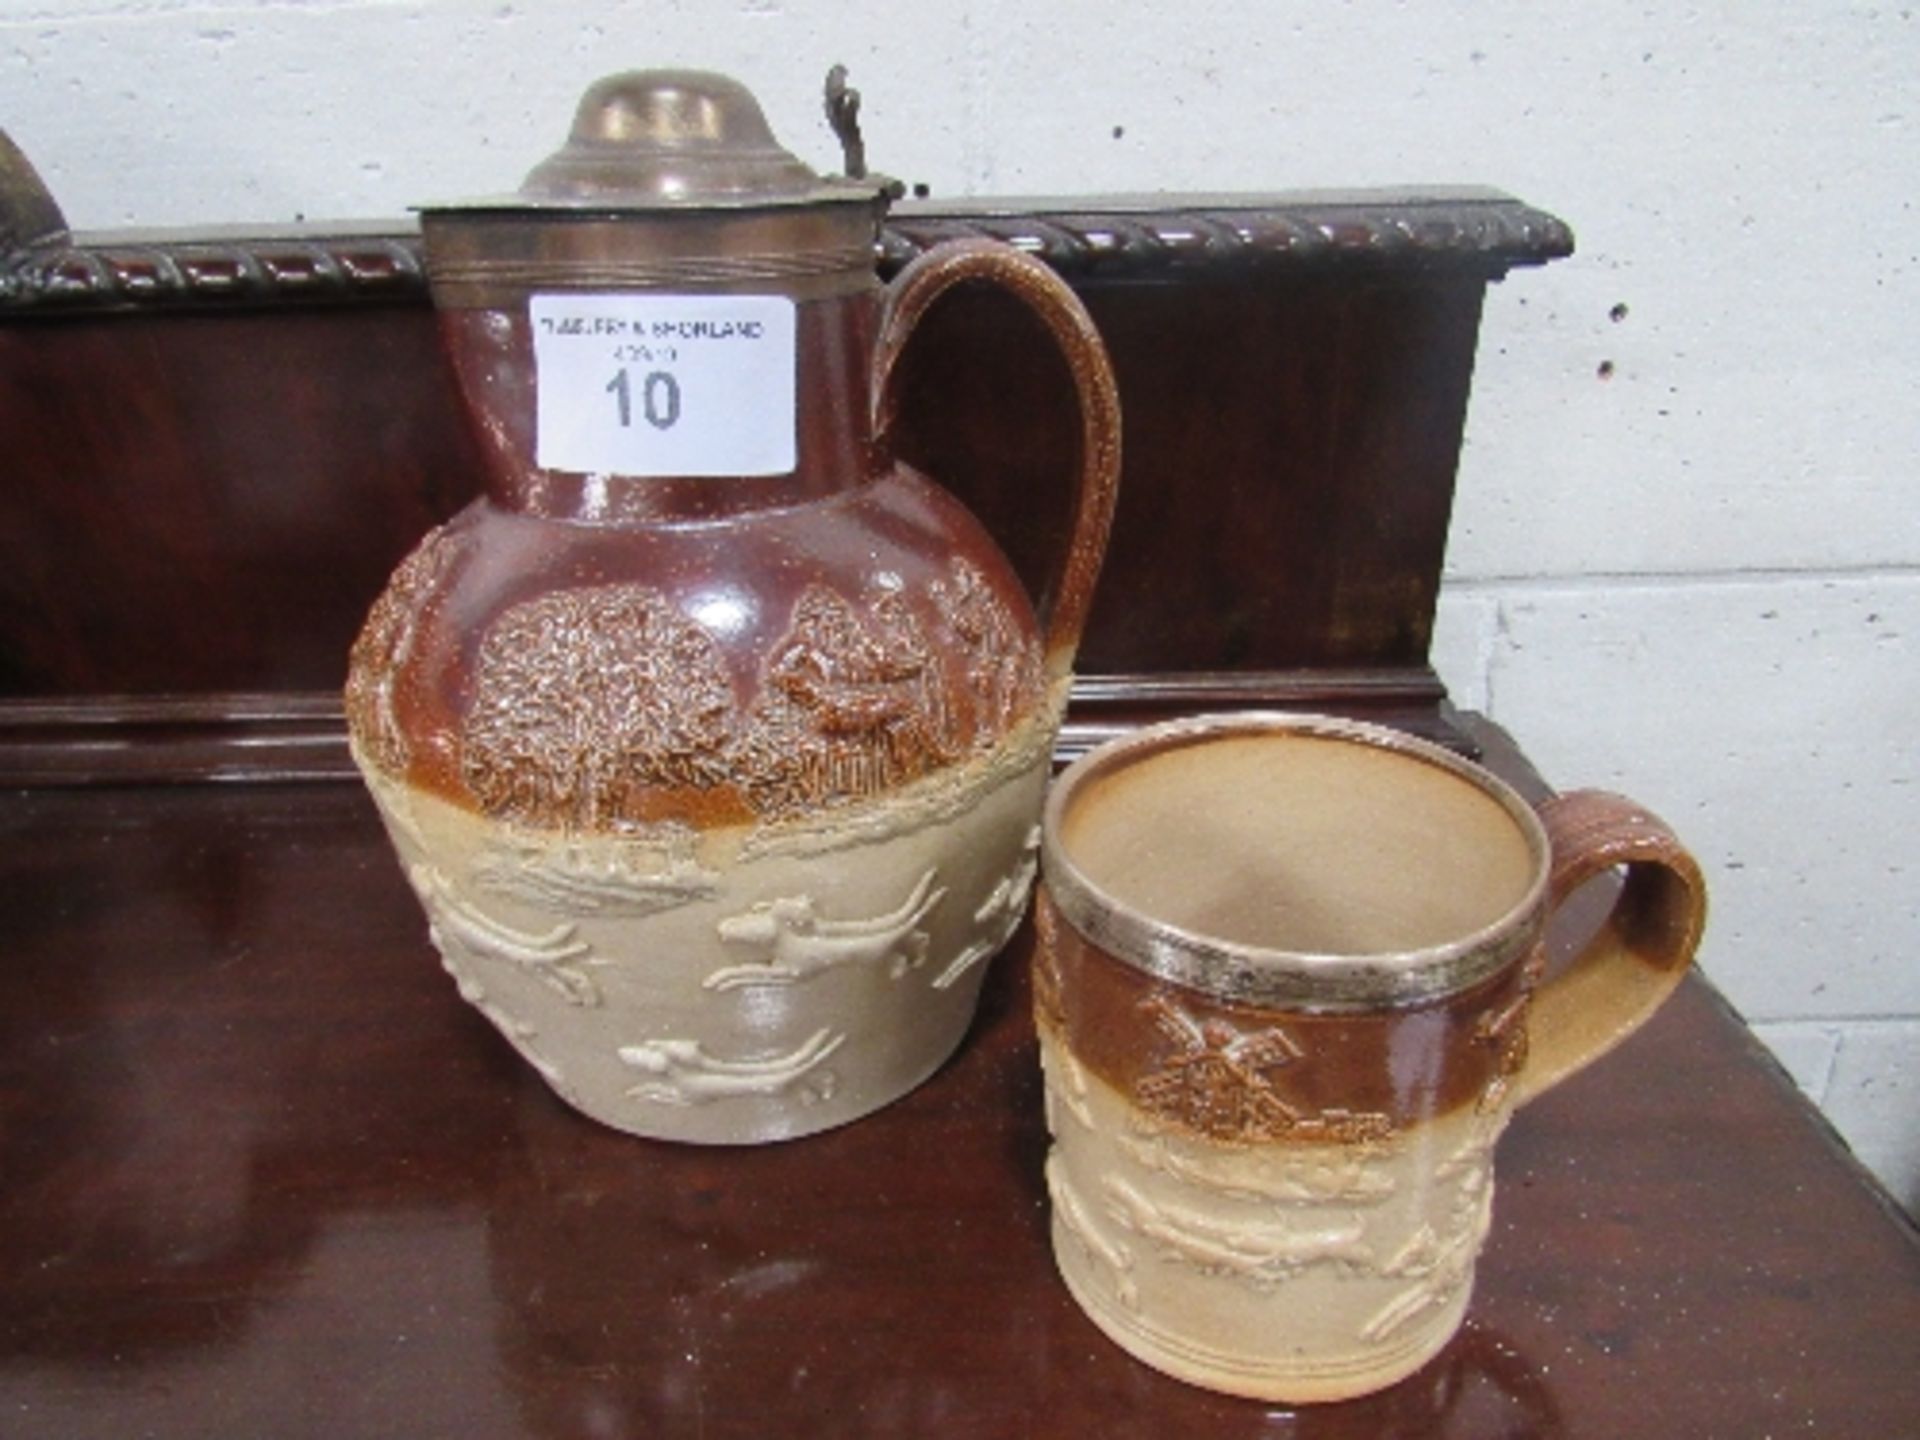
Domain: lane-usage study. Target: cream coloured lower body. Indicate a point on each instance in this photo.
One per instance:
(734, 988)
(1287, 1272)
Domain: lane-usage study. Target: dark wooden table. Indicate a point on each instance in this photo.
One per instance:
(263, 1174)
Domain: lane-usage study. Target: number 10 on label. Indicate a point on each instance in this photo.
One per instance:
(659, 398)
(657, 385)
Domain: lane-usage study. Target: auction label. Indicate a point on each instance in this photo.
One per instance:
(664, 384)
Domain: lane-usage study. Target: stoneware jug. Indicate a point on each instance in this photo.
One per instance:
(712, 737)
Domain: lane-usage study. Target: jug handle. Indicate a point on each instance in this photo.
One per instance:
(913, 292)
(1642, 949)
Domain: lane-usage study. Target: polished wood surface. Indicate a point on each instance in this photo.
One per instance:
(263, 1173)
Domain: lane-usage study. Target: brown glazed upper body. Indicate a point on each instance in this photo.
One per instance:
(598, 653)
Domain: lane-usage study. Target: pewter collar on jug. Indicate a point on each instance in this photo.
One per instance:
(689, 151)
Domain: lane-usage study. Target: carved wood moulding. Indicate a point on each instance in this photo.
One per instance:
(1143, 237)
(1482, 232)
(115, 273)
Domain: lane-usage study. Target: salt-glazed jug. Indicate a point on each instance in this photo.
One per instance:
(712, 737)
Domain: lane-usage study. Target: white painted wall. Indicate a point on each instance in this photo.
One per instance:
(1697, 580)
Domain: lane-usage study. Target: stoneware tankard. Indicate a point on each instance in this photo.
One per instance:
(1289, 987)
(712, 737)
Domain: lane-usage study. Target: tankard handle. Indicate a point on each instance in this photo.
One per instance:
(913, 292)
(1641, 950)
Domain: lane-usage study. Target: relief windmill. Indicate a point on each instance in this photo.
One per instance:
(1219, 1082)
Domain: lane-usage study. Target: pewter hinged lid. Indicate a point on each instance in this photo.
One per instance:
(647, 141)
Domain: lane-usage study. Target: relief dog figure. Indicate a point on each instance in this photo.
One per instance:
(797, 944)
